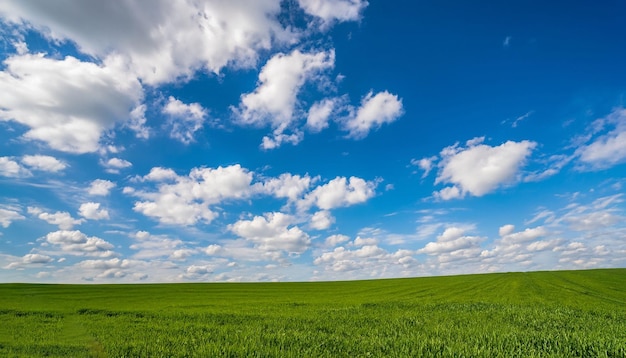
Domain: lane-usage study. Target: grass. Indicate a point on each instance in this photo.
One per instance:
(538, 314)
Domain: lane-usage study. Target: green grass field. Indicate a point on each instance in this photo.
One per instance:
(539, 314)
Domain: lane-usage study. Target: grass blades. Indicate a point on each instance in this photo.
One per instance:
(538, 314)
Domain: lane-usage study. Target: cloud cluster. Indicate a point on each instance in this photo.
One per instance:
(77, 243)
(8, 215)
(62, 219)
(190, 199)
(339, 192)
(67, 103)
(29, 260)
(184, 120)
(164, 42)
(44, 163)
(607, 147)
(329, 11)
(92, 211)
(100, 187)
(362, 258)
(171, 42)
(273, 232)
(12, 169)
(477, 169)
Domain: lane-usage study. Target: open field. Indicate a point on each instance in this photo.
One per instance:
(539, 314)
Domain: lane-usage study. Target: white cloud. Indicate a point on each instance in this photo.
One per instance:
(163, 42)
(506, 229)
(334, 10)
(63, 219)
(188, 199)
(369, 260)
(322, 220)
(29, 259)
(150, 246)
(44, 163)
(184, 120)
(375, 110)
(274, 101)
(452, 239)
(272, 233)
(104, 264)
(66, 103)
(288, 186)
(335, 240)
(479, 169)
(523, 236)
(78, 244)
(320, 112)
(114, 165)
(278, 138)
(160, 174)
(360, 241)
(518, 248)
(92, 211)
(12, 169)
(608, 149)
(9, 215)
(100, 187)
(426, 164)
(339, 192)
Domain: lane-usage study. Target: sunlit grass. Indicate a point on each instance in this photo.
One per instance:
(541, 314)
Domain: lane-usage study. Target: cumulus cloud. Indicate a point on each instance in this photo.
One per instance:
(274, 101)
(335, 240)
(375, 110)
(150, 246)
(188, 199)
(67, 103)
(92, 211)
(320, 112)
(479, 169)
(112, 269)
(63, 219)
(44, 163)
(288, 186)
(160, 174)
(114, 165)
(339, 192)
(518, 248)
(166, 41)
(78, 244)
(322, 220)
(9, 215)
(12, 169)
(28, 260)
(184, 120)
(272, 232)
(334, 10)
(608, 148)
(100, 187)
(367, 260)
(453, 239)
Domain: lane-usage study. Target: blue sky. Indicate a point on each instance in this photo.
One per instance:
(309, 139)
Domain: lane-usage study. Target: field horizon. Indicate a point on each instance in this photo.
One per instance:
(139, 283)
(542, 313)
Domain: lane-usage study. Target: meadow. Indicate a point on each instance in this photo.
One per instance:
(535, 314)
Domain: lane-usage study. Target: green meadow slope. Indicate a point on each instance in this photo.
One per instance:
(537, 314)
